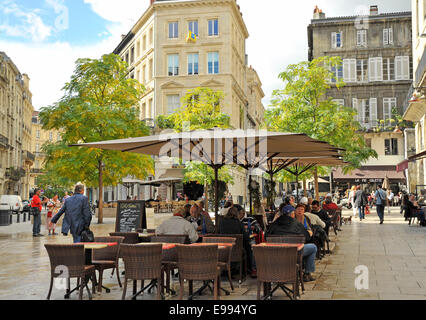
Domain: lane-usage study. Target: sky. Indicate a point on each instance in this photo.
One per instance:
(44, 38)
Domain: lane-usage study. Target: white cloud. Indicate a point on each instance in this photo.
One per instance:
(29, 23)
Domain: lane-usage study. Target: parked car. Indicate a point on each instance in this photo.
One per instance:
(14, 202)
(27, 205)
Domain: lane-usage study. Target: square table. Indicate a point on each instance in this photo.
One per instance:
(88, 247)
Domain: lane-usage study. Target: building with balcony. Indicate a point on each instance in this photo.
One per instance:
(415, 104)
(377, 71)
(179, 45)
(16, 109)
(39, 138)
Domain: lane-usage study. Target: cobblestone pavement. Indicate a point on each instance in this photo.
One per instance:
(394, 253)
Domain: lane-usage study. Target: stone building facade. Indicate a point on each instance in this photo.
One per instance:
(162, 57)
(377, 70)
(38, 139)
(415, 104)
(16, 158)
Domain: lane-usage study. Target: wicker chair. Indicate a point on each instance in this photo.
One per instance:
(107, 258)
(292, 239)
(170, 256)
(129, 238)
(237, 250)
(277, 265)
(225, 257)
(198, 263)
(70, 257)
(335, 219)
(142, 262)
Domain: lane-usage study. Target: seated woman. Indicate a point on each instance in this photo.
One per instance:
(231, 224)
(413, 208)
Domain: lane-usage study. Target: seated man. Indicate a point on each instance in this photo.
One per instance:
(322, 214)
(178, 225)
(329, 204)
(286, 224)
(415, 208)
(200, 222)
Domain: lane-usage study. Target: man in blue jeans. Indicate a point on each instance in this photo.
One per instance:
(286, 224)
(380, 197)
(77, 214)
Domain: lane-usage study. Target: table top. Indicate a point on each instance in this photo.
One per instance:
(166, 246)
(299, 246)
(220, 245)
(98, 245)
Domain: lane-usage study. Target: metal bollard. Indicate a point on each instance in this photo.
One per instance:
(18, 217)
(10, 217)
(25, 217)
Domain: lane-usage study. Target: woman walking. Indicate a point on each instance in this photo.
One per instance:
(53, 206)
(351, 199)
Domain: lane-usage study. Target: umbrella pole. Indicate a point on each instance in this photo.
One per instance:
(297, 188)
(250, 195)
(216, 196)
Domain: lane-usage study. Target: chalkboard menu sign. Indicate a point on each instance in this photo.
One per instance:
(131, 215)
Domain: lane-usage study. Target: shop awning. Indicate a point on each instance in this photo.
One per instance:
(402, 166)
(370, 175)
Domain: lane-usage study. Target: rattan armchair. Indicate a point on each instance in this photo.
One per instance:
(292, 239)
(142, 262)
(237, 250)
(225, 257)
(198, 263)
(68, 261)
(276, 265)
(107, 258)
(170, 256)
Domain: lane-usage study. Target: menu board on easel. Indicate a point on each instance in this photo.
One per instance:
(131, 215)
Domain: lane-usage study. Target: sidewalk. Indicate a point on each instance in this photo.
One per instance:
(394, 253)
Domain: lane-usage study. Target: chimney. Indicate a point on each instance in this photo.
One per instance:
(151, 2)
(318, 14)
(374, 10)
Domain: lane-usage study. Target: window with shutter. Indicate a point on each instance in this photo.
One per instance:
(361, 38)
(385, 36)
(355, 106)
(402, 68)
(372, 74)
(388, 105)
(333, 40)
(390, 36)
(373, 112)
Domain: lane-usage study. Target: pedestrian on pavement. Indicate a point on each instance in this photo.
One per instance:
(36, 208)
(390, 197)
(360, 202)
(351, 199)
(54, 206)
(77, 214)
(380, 197)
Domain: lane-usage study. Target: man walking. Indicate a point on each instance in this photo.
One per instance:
(380, 197)
(77, 214)
(360, 202)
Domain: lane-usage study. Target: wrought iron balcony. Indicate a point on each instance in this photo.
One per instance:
(408, 98)
(28, 156)
(4, 142)
(15, 174)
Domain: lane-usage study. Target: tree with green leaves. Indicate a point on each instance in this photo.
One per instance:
(201, 110)
(100, 103)
(302, 107)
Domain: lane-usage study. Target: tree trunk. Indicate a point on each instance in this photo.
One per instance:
(317, 197)
(206, 192)
(305, 193)
(101, 195)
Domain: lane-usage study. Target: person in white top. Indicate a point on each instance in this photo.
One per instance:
(178, 225)
(390, 196)
(351, 200)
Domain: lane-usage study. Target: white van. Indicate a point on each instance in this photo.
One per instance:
(12, 201)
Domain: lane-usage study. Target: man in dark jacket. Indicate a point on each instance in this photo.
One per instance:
(360, 202)
(286, 224)
(77, 214)
(322, 214)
